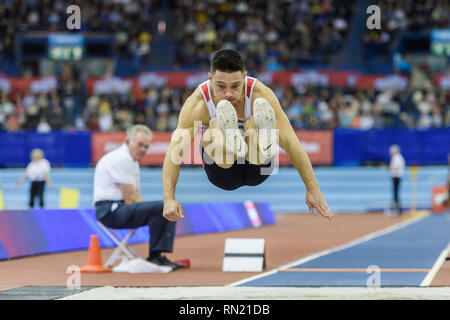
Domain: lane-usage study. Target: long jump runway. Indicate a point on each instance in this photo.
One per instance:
(308, 257)
(407, 254)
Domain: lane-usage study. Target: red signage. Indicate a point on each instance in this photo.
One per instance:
(439, 194)
(191, 79)
(317, 144)
(105, 142)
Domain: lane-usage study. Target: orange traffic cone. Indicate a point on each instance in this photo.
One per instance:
(94, 263)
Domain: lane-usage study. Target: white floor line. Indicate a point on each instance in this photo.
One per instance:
(436, 266)
(367, 237)
(223, 294)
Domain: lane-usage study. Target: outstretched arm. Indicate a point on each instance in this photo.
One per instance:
(21, 179)
(289, 142)
(180, 142)
(171, 171)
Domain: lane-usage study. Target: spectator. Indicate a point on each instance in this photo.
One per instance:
(12, 123)
(43, 126)
(162, 124)
(80, 123)
(273, 35)
(404, 16)
(2, 121)
(105, 120)
(366, 121)
(256, 31)
(308, 107)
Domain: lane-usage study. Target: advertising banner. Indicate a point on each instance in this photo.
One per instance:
(317, 144)
(39, 231)
(442, 81)
(105, 142)
(382, 82)
(191, 79)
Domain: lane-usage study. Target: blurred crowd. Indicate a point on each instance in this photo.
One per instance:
(273, 35)
(404, 16)
(129, 20)
(309, 108)
(325, 108)
(43, 110)
(117, 112)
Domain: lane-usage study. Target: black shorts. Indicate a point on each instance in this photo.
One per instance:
(238, 175)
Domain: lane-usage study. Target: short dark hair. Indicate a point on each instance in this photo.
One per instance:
(227, 60)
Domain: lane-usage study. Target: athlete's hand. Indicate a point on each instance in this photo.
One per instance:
(172, 210)
(315, 200)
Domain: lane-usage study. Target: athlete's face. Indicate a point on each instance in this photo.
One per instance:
(138, 145)
(227, 85)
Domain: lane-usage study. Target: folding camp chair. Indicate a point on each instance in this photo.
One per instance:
(122, 250)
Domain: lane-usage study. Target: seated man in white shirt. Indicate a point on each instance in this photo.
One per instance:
(118, 200)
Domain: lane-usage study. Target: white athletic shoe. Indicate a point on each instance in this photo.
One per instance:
(265, 121)
(228, 124)
(143, 266)
(123, 266)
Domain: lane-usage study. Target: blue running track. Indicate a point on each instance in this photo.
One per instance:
(404, 256)
(346, 189)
